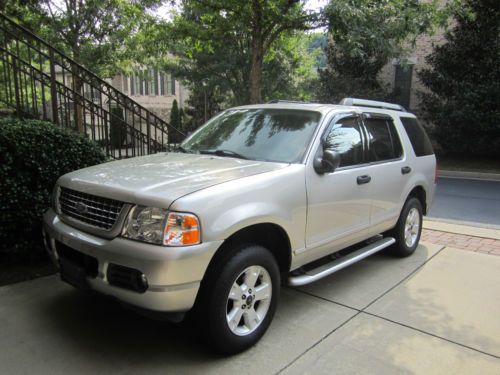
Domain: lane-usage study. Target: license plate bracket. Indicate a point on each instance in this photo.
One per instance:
(73, 274)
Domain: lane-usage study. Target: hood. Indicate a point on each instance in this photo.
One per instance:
(159, 179)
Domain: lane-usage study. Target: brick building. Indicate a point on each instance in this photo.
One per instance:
(401, 75)
(152, 89)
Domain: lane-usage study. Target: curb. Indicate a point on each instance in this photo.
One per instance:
(461, 229)
(470, 175)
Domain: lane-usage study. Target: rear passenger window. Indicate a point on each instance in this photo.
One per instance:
(344, 137)
(418, 137)
(384, 143)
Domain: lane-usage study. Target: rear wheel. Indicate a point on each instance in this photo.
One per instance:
(408, 228)
(241, 299)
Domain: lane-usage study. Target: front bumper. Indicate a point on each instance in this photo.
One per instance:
(173, 273)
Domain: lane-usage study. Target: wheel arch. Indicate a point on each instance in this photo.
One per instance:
(419, 193)
(269, 235)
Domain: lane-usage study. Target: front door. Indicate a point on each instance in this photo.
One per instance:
(339, 203)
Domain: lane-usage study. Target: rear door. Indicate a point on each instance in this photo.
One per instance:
(388, 169)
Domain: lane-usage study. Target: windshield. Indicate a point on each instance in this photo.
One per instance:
(280, 135)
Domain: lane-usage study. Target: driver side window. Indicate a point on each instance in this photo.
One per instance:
(344, 137)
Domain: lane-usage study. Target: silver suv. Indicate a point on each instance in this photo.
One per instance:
(258, 195)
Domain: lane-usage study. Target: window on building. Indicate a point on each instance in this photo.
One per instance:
(402, 84)
(153, 73)
(151, 82)
(168, 84)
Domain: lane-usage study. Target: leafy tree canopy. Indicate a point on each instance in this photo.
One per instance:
(464, 79)
(233, 42)
(96, 33)
(363, 36)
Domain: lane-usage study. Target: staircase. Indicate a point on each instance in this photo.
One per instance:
(38, 81)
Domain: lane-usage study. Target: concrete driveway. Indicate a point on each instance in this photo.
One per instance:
(436, 312)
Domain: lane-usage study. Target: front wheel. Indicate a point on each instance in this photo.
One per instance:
(242, 299)
(408, 228)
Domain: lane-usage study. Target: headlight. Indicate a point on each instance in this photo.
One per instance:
(158, 226)
(145, 224)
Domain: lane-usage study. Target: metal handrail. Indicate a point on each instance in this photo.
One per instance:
(31, 83)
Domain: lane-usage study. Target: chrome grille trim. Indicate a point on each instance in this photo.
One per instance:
(98, 212)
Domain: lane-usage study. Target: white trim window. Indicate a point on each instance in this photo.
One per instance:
(151, 82)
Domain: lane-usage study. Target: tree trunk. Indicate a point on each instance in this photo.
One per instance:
(256, 72)
(255, 78)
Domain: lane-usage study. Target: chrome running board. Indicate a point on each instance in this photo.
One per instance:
(340, 263)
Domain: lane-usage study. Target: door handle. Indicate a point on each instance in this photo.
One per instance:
(363, 179)
(405, 170)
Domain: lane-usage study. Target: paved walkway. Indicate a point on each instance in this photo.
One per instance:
(462, 241)
(435, 312)
(486, 241)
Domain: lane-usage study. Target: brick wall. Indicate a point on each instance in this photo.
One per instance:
(416, 56)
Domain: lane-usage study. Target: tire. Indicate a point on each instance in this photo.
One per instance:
(242, 287)
(408, 229)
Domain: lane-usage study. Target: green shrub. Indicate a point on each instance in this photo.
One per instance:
(33, 154)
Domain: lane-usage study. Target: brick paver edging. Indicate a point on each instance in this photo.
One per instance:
(462, 241)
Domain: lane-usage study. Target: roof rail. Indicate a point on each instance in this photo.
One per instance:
(275, 101)
(371, 104)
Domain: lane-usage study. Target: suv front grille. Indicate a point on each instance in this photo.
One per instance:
(96, 211)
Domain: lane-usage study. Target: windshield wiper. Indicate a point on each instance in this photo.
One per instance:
(183, 150)
(223, 153)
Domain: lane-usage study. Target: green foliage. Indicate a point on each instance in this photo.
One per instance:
(175, 118)
(96, 33)
(117, 128)
(203, 103)
(464, 79)
(33, 155)
(27, 12)
(364, 36)
(290, 69)
(225, 46)
(316, 46)
(176, 122)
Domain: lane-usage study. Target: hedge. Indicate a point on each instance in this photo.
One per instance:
(33, 154)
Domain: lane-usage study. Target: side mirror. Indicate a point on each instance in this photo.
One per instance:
(326, 161)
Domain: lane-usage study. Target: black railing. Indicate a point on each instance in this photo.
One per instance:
(38, 81)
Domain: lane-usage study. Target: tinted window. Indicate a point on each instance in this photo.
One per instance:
(281, 135)
(384, 143)
(418, 137)
(344, 137)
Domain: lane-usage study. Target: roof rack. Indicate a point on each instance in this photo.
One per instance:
(371, 104)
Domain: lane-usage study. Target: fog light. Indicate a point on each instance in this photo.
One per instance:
(127, 278)
(144, 281)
